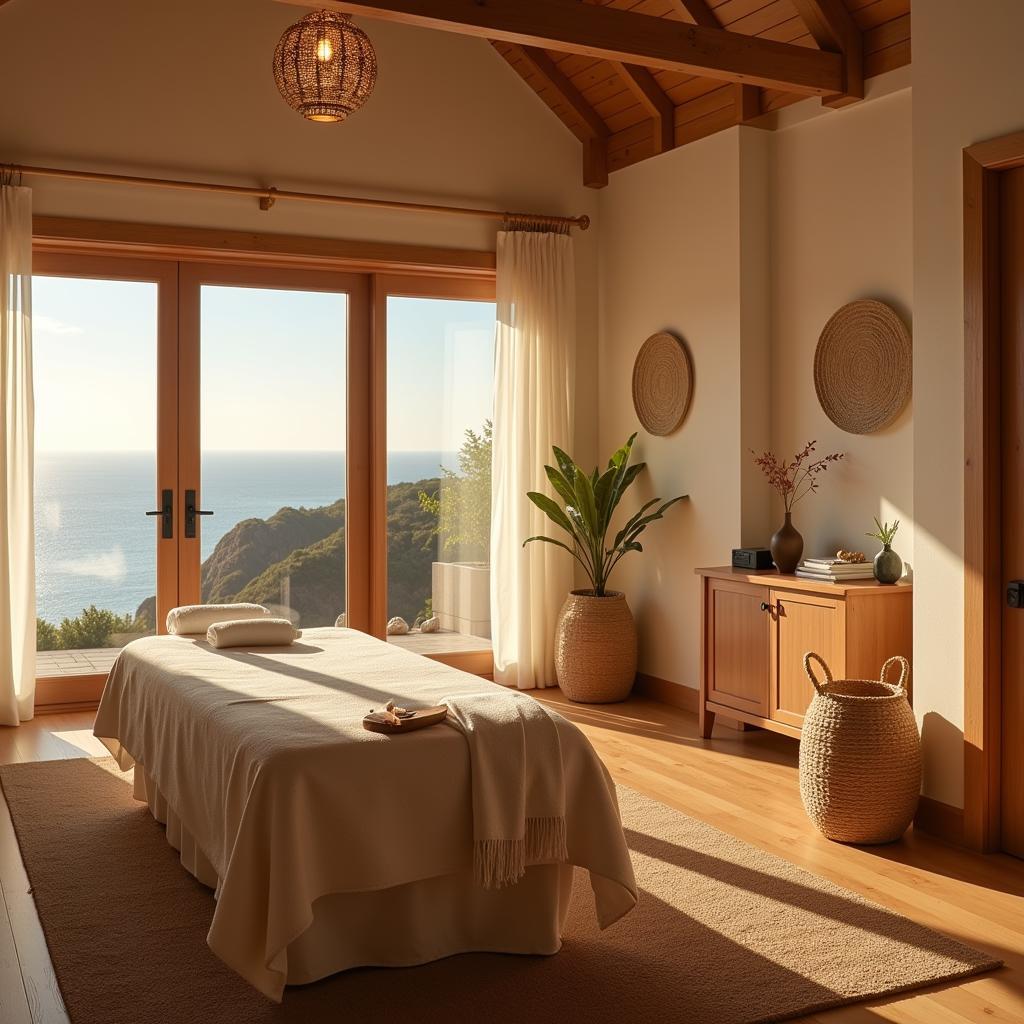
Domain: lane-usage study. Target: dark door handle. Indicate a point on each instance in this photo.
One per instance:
(191, 512)
(166, 511)
(765, 606)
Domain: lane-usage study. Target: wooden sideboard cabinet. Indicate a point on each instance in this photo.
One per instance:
(757, 626)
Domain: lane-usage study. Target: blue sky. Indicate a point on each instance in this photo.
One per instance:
(272, 371)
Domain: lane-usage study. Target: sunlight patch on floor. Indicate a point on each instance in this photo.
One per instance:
(84, 740)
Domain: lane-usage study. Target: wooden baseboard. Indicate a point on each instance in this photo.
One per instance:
(940, 819)
(678, 695)
(665, 692)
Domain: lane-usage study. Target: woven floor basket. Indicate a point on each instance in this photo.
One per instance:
(595, 648)
(860, 756)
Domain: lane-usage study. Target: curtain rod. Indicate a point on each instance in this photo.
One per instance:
(268, 196)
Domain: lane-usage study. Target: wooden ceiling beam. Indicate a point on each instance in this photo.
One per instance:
(748, 103)
(747, 97)
(644, 86)
(833, 28)
(594, 134)
(698, 12)
(607, 33)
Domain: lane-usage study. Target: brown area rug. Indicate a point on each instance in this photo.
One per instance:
(723, 933)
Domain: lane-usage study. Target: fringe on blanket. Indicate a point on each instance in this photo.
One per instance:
(501, 862)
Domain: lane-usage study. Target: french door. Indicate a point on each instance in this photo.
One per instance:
(105, 368)
(272, 481)
(314, 440)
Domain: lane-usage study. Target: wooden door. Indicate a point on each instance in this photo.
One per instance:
(272, 384)
(738, 624)
(1012, 433)
(802, 623)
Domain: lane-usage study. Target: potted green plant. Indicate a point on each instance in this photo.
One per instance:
(888, 565)
(595, 638)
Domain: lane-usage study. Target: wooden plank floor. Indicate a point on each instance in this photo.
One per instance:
(743, 783)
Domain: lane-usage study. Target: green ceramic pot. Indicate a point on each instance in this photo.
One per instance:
(888, 566)
(787, 546)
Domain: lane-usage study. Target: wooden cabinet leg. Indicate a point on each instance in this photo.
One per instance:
(707, 720)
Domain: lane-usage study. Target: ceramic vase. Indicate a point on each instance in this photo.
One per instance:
(888, 566)
(787, 546)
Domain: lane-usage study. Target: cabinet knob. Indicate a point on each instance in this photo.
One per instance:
(765, 606)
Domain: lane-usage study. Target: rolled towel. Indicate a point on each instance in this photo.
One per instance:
(262, 632)
(198, 618)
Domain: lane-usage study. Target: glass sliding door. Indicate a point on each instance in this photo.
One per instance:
(106, 569)
(440, 384)
(265, 460)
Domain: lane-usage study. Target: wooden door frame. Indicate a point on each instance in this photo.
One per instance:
(983, 597)
(383, 269)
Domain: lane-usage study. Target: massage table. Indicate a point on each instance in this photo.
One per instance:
(328, 846)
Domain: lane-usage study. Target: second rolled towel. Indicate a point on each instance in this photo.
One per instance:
(252, 633)
(196, 619)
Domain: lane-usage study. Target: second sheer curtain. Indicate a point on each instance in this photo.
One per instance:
(17, 543)
(533, 410)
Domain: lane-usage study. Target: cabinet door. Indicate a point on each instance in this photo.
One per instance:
(802, 623)
(738, 625)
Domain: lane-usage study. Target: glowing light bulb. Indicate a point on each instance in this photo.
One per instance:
(324, 50)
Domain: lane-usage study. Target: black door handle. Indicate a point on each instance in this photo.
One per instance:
(166, 511)
(191, 512)
(765, 606)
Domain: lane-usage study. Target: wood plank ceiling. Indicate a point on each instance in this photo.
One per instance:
(623, 113)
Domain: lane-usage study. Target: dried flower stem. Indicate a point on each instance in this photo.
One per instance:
(794, 480)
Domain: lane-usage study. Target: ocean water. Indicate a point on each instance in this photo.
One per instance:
(95, 545)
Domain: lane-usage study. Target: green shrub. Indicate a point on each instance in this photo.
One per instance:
(47, 638)
(92, 628)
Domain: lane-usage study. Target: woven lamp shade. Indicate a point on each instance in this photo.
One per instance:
(325, 67)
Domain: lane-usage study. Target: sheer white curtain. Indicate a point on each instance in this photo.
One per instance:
(17, 541)
(534, 354)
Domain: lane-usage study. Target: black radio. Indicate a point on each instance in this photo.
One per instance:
(752, 558)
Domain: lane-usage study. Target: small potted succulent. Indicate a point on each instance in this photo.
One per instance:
(595, 639)
(888, 565)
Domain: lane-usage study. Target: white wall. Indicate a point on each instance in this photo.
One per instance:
(185, 89)
(841, 230)
(745, 243)
(670, 249)
(969, 85)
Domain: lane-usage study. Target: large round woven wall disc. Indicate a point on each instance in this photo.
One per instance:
(662, 383)
(863, 367)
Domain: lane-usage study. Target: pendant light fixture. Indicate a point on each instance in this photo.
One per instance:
(325, 67)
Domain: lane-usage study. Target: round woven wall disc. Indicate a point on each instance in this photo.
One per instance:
(662, 383)
(863, 367)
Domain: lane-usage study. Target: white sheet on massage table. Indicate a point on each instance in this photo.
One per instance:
(262, 756)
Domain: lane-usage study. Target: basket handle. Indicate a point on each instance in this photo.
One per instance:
(810, 675)
(904, 670)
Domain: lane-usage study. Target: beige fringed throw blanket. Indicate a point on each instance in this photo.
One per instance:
(517, 782)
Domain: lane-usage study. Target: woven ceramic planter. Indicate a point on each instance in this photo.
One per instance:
(860, 756)
(595, 648)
